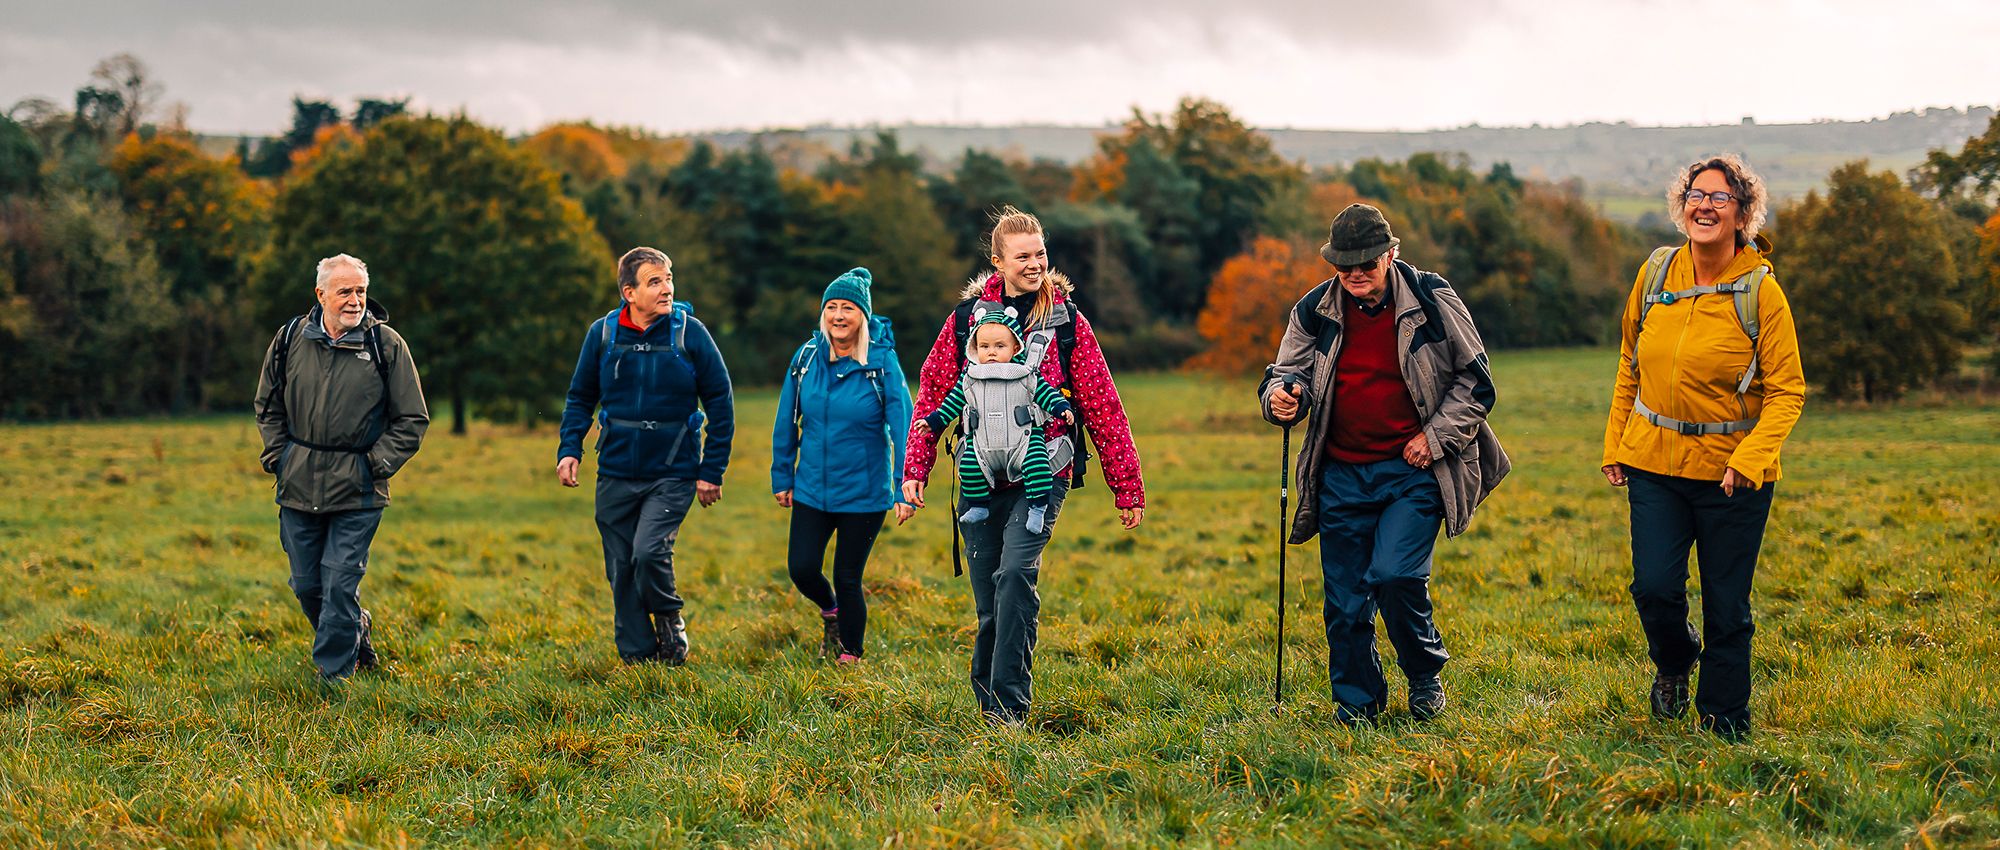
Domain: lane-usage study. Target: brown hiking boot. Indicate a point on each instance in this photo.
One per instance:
(1669, 696)
(829, 644)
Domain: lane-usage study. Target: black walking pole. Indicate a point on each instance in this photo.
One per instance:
(1284, 535)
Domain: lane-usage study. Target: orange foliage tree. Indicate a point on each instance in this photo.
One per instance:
(1245, 316)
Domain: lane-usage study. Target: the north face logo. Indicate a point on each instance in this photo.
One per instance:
(363, 355)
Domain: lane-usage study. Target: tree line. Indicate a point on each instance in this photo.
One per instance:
(141, 272)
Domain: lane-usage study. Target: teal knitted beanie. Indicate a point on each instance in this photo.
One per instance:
(852, 286)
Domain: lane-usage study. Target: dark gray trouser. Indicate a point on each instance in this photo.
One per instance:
(329, 555)
(1004, 561)
(639, 522)
(1670, 515)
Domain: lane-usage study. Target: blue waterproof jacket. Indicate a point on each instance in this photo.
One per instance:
(842, 426)
(661, 397)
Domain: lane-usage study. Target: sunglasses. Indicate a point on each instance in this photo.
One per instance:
(1364, 267)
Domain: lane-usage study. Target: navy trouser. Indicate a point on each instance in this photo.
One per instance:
(329, 555)
(1004, 560)
(1670, 515)
(811, 529)
(1378, 523)
(639, 522)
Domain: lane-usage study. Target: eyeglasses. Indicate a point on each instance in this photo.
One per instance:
(1719, 199)
(1364, 267)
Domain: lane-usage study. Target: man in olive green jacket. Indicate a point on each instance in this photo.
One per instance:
(340, 410)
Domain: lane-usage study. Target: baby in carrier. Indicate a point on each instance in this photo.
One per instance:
(1009, 405)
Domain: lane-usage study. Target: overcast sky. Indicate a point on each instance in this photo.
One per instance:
(679, 65)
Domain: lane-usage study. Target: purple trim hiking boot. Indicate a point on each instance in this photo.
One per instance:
(829, 643)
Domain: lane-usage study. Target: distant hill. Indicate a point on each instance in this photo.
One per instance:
(1622, 166)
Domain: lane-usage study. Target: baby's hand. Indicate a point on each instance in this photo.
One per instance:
(920, 428)
(1069, 416)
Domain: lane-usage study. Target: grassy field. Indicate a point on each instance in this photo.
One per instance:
(155, 688)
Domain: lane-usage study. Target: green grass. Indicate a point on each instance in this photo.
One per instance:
(155, 688)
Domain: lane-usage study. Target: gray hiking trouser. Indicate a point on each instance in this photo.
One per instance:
(1004, 561)
(329, 555)
(639, 522)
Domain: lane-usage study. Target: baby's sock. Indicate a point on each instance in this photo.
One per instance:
(1037, 515)
(976, 513)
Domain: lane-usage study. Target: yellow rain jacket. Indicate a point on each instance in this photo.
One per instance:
(1691, 354)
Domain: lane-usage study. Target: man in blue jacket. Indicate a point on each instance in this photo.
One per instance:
(653, 377)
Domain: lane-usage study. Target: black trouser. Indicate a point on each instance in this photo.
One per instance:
(1669, 515)
(638, 522)
(1004, 561)
(811, 528)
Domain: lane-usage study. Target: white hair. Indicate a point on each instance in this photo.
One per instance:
(326, 266)
(860, 339)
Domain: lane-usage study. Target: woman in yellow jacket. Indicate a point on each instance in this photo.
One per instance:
(1709, 387)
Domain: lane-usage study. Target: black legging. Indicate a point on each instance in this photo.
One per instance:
(811, 528)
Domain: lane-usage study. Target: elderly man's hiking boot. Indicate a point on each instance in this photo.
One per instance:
(1427, 698)
(364, 653)
(1669, 696)
(673, 638)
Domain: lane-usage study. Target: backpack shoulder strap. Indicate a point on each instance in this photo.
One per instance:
(282, 352)
(1656, 278)
(1746, 300)
(374, 340)
(961, 323)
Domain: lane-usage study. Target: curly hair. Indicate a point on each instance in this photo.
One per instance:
(1753, 203)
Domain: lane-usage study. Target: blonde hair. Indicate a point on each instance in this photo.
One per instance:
(1010, 221)
(860, 338)
(1752, 204)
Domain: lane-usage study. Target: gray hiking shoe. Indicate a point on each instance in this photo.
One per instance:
(1427, 698)
(364, 654)
(673, 638)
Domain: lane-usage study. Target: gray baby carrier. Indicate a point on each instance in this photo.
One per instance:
(1000, 410)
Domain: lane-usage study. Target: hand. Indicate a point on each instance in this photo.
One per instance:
(904, 512)
(784, 498)
(913, 492)
(1615, 474)
(920, 428)
(1417, 452)
(1285, 402)
(1131, 517)
(566, 471)
(1069, 416)
(1731, 481)
(706, 493)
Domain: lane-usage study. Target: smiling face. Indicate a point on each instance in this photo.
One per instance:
(653, 295)
(994, 343)
(1709, 223)
(1023, 262)
(841, 320)
(344, 299)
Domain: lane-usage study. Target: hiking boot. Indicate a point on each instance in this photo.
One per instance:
(364, 652)
(673, 638)
(1427, 698)
(1670, 696)
(829, 644)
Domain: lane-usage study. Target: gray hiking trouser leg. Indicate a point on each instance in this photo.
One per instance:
(1004, 561)
(329, 555)
(639, 522)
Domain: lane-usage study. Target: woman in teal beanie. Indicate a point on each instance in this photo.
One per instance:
(837, 452)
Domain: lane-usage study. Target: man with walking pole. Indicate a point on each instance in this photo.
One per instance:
(1386, 362)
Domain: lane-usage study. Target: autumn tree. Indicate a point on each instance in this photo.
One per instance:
(1870, 275)
(491, 273)
(205, 221)
(1246, 317)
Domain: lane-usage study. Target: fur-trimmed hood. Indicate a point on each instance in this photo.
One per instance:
(977, 285)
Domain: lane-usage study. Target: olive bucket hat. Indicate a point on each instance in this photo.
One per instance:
(1358, 234)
